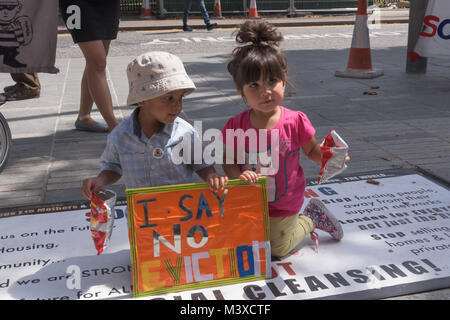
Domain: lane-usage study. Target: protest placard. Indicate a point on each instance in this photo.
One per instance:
(185, 237)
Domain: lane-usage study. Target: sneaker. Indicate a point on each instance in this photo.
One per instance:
(187, 28)
(323, 219)
(211, 26)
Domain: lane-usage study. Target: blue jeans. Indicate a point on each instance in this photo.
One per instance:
(187, 8)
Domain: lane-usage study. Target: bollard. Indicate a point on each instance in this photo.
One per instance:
(253, 11)
(146, 10)
(360, 59)
(292, 11)
(217, 13)
(161, 10)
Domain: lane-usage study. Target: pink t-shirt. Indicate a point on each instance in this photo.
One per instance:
(285, 177)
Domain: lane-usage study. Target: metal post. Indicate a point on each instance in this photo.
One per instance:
(161, 10)
(416, 15)
(291, 10)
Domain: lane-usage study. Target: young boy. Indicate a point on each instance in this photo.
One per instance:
(140, 148)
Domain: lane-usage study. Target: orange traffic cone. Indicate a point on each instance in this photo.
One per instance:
(360, 60)
(217, 13)
(253, 11)
(146, 10)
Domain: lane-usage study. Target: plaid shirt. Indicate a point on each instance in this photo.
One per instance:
(144, 162)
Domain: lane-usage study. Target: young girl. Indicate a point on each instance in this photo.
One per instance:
(259, 71)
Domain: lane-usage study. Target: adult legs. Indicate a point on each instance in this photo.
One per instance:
(187, 8)
(94, 86)
(204, 12)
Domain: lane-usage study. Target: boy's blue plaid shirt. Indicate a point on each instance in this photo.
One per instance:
(144, 162)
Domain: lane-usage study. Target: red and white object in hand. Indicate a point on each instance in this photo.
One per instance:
(334, 152)
(101, 218)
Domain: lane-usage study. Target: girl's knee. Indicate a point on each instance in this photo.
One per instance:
(281, 246)
(279, 252)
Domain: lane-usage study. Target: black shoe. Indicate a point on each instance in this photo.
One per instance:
(91, 126)
(187, 28)
(211, 26)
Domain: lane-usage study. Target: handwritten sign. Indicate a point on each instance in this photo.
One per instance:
(186, 237)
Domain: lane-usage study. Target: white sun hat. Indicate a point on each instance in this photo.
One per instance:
(154, 74)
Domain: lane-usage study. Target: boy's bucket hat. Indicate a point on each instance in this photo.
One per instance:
(154, 74)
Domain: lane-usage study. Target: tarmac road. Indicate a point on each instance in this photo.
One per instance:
(221, 41)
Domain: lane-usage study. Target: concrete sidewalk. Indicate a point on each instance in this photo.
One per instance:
(404, 125)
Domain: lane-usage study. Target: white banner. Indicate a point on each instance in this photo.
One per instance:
(396, 241)
(434, 40)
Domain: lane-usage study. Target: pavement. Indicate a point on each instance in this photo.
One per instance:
(403, 125)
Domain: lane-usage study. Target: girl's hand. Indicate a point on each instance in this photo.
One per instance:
(216, 181)
(347, 159)
(249, 176)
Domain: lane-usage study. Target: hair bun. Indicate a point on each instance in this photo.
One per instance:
(258, 33)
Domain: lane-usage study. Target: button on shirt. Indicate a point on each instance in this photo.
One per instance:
(144, 162)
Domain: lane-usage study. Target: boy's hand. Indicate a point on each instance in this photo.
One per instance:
(90, 185)
(216, 181)
(249, 176)
(347, 159)
(95, 184)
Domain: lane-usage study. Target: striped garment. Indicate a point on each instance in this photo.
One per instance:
(11, 35)
(144, 162)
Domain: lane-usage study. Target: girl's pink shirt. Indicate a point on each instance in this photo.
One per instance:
(286, 187)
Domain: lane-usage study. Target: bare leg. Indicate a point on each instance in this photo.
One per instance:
(86, 101)
(94, 86)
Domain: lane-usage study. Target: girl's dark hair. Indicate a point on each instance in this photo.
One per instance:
(259, 55)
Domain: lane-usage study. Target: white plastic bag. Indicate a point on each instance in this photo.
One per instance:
(334, 151)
